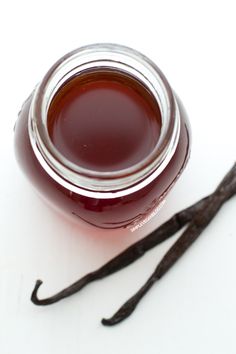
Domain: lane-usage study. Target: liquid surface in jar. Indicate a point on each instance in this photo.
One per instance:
(104, 121)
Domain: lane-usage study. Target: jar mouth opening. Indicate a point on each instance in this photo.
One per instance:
(107, 57)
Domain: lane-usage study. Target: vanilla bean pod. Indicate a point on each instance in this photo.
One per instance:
(128, 256)
(203, 217)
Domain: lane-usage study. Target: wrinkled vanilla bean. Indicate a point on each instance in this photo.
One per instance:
(202, 218)
(128, 256)
(198, 216)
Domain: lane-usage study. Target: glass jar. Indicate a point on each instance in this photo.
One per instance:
(107, 199)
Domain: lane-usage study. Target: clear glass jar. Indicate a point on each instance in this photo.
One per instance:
(105, 199)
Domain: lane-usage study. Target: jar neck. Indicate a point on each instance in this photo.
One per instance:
(96, 183)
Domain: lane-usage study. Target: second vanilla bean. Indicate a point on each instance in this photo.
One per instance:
(203, 217)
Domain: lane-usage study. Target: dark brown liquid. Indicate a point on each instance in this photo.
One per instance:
(107, 213)
(104, 121)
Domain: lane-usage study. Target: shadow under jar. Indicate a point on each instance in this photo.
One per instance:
(103, 137)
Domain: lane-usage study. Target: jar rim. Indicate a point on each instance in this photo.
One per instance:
(89, 182)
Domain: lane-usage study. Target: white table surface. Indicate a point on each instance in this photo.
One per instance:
(193, 308)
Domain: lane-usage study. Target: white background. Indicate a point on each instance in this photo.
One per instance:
(193, 308)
